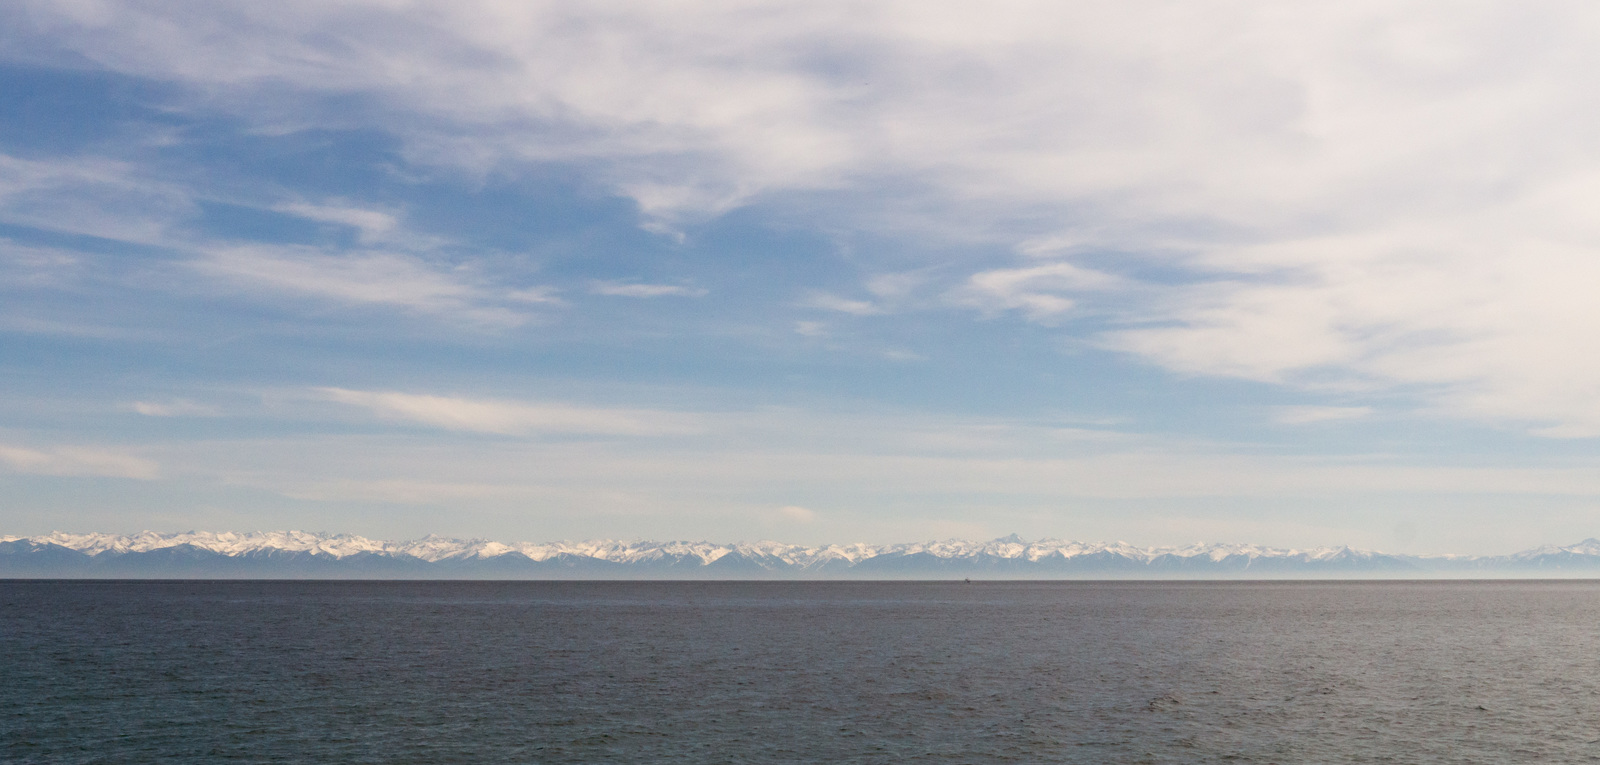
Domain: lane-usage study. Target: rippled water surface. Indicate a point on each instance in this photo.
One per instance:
(799, 672)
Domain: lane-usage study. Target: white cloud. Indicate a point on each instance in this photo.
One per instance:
(175, 408)
(797, 513)
(376, 278)
(1035, 290)
(546, 295)
(829, 302)
(90, 195)
(810, 329)
(1487, 327)
(1048, 246)
(512, 417)
(374, 225)
(1385, 194)
(894, 286)
(1304, 415)
(22, 266)
(77, 461)
(625, 289)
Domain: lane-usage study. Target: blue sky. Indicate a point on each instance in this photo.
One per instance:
(1267, 272)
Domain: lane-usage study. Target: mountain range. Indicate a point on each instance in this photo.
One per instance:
(308, 555)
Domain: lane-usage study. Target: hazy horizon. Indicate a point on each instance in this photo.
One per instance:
(344, 543)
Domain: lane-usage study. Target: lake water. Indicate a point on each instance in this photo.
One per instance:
(707, 672)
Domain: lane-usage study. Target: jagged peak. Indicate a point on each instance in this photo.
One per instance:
(434, 548)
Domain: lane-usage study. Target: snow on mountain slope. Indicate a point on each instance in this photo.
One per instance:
(434, 548)
(1588, 547)
(225, 542)
(1008, 553)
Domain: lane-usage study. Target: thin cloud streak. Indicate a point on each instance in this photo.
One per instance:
(175, 408)
(93, 196)
(373, 224)
(77, 461)
(512, 417)
(827, 302)
(1306, 415)
(371, 278)
(1037, 291)
(628, 289)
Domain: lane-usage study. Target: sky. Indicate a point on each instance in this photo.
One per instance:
(1287, 273)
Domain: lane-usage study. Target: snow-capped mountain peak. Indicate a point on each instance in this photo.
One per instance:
(1010, 556)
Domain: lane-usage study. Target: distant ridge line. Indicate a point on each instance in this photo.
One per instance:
(301, 554)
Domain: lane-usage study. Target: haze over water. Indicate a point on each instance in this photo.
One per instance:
(784, 672)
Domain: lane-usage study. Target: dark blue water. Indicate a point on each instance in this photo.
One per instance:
(476, 672)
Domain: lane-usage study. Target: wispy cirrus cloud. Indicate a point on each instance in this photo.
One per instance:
(77, 461)
(1388, 195)
(369, 278)
(796, 513)
(374, 225)
(175, 408)
(830, 302)
(22, 266)
(512, 417)
(1040, 292)
(91, 195)
(1306, 415)
(1485, 326)
(543, 294)
(1304, 132)
(636, 290)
